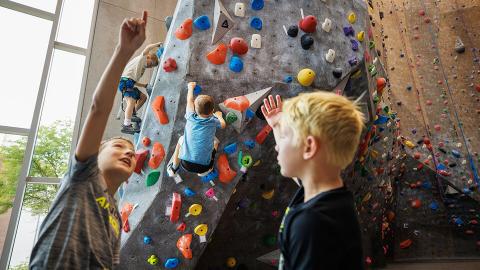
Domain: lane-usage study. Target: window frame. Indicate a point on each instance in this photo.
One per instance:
(32, 132)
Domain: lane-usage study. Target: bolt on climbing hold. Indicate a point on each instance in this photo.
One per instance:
(354, 45)
(256, 41)
(202, 22)
(306, 77)
(184, 31)
(306, 41)
(210, 193)
(361, 36)
(308, 24)
(238, 46)
(170, 65)
(230, 149)
(257, 4)
(330, 56)
(231, 117)
(288, 79)
(183, 244)
(153, 260)
(352, 18)
(194, 210)
(147, 240)
(146, 141)
(239, 10)
(218, 55)
(459, 46)
(292, 30)
(353, 61)
(337, 72)
(256, 23)
(348, 31)
(327, 25)
(236, 64)
(201, 230)
(231, 262)
(189, 192)
(171, 263)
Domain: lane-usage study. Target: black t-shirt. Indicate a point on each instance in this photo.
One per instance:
(322, 233)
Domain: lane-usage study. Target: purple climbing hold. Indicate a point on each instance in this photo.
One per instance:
(348, 31)
(354, 44)
(353, 61)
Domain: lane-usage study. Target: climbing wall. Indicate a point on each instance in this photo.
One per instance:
(240, 216)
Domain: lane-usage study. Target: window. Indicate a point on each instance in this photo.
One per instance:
(23, 55)
(46, 5)
(74, 27)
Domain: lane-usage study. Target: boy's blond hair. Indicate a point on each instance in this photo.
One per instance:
(332, 118)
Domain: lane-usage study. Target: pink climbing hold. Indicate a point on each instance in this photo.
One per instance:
(421, 12)
(169, 65)
(437, 127)
(210, 193)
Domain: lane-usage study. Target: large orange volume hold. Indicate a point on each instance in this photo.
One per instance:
(240, 103)
(158, 154)
(183, 244)
(158, 107)
(225, 173)
(218, 56)
(185, 30)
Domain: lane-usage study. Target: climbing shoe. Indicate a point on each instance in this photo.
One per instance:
(129, 129)
(172, 171)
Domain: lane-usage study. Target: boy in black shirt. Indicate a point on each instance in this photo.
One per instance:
(317, 136)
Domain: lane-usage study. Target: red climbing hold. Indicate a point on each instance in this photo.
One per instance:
(183, 244)
(170, 65)
(140, 156)
(124, 213)
(238, 46)
(421, 12)
(218, 56)
(263, 133)
(146, 141)
(444, 173)
(417, 155)
(226, 174)
(426, 140)
(175, 208)
(437, 127)
(477, 87)
(185, 30)
(405, 244)
(416, 203)
(158, 153)
(158, 107)
(308, 24)
(427, 20)
(181, 227)
(240, 103)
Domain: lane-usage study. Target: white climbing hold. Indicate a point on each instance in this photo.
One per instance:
(459, 46)
(330, 56)
(256, 41)
(327, 25)
(240, 10)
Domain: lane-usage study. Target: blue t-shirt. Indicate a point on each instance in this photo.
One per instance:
(198, 138)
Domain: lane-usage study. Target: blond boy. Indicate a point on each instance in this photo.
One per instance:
(317, 136)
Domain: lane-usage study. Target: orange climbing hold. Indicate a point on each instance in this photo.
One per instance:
(183, 244)
(226, 174)
(185, 30)
(140, 156)
(126, 211)
(405, 244)
(218, 56)
(262, 135)
(381, 82)
(146, 141)
(158, 154)
(477, 87)
(158, 107)
(240, 103)
(416, 203)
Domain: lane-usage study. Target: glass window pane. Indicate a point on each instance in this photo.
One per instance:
(36, 202)
(22, 57)
(75, 19)
(46, 5)
(52, 148)
(12, 149)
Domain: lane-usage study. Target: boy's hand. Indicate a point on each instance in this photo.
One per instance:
(272, 111)
(132, 33)
(191, 85)
(218, 114)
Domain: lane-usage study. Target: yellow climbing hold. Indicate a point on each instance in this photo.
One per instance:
(367, 197)
(195, 209)
(258, 162)
(361, 36)
(231, 262)
(409, 144)
(201, 230)
(352, 18)
(306, 76)
(267, 195)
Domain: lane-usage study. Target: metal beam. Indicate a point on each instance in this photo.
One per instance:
(27, 10)
(43, 180)
(14, 130)
(69, 48)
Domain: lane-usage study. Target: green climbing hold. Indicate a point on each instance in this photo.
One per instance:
(231, 117)
(376, 99)
(152, 178)
(371, 45)
(386, 109)
(247, 161)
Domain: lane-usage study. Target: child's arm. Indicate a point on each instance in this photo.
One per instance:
(190, 99)
(132, 35)
(150, 47)
(272, 113)
(220, 118)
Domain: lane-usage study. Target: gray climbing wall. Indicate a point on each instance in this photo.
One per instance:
(241, 202)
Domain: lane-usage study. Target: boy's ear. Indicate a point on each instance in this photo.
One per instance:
(311, 147)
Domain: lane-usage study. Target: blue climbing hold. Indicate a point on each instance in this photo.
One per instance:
(467, 191)
(171, 263)
(249, 143)
(381, 120)
(257, 4)
(441, 167)
(354, 45)
(427, 185)
(456, 153)
(160, 52)
(202, 22)
(433, 206)
(458, 221)
(147, 240)
(236, 64)
(197, 90)
(348, 31)
(230, 149)
(188, 192)
(288, 79)
(210, 176)
(249, 114)
(256, 23)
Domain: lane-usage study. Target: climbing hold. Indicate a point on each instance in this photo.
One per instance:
(201, 229)
(158, 107)
(348, 31)
(146, 141)
(160, 52)
(140, 157)
(267, 195)
(257, 4)
(421, 12)
(292, 31)
(416, 203)
(361, 36)
(194, 210)
(147, 240)
(152, 178)
(181, 227)
(352, 18)
(306, 77)
(381, 83)
(226, 174)
(184, 31)
(459, 46)
(124, 213)
(153, 260)
(158, 153)
(256, 41)
(330, 56)
(306, 41)
(210, 193)
(231, 117)
(308, 24)
(202, 22)
(337, 72)
(262, 134)
(230, 149)
(197, 90)
(249, 144)
(239, 10)
(169, 65)
(327, 25)
(238, 46)
(288, 79)
(218, 55)
(189, 192)
(246, 162)
(222, 22)
(240, 103)
(183, 244)
(456, 153)
(371, 44)
(354, 45)
(437, 127)
(236, 64)
(405, 244)
(256, 23)
(171, 263)
(231, 262)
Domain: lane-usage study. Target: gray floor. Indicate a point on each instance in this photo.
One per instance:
(435, 266)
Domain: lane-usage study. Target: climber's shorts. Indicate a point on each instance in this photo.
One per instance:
(126, 87)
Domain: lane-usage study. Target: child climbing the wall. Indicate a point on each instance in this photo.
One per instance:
(316, 137)
(196, 149)
(129, 79)
(82, 228)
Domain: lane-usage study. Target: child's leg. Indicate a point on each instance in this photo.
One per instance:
(174, 163)
(129, 110)
(140, 102)
(216, 142)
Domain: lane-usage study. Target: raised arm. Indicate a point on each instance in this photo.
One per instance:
(150, 47)
(219, 116)
(190, 99)
(132, 35)
(273, 112)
